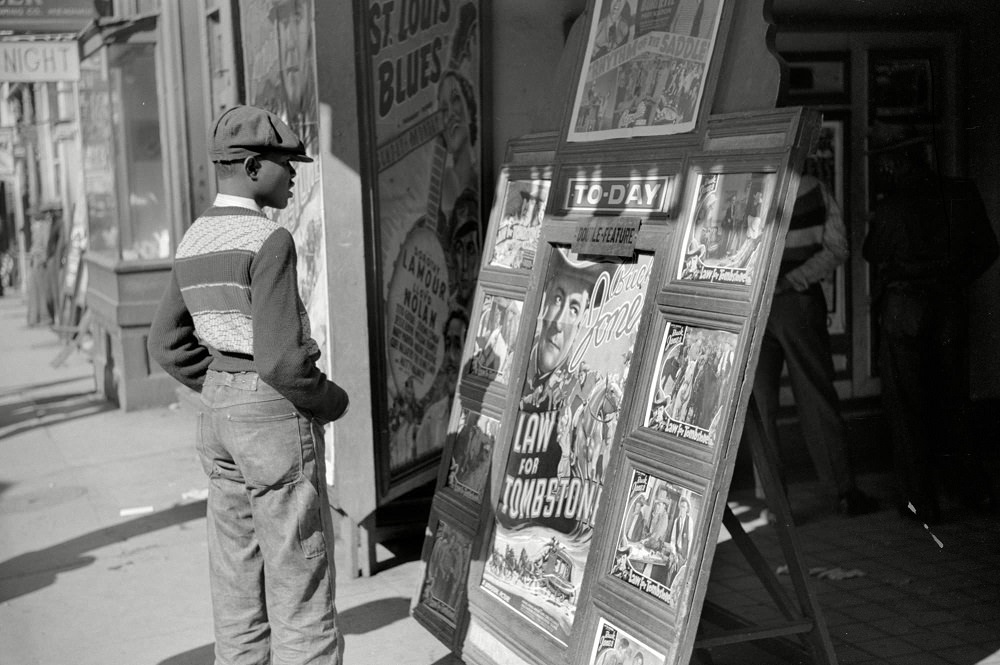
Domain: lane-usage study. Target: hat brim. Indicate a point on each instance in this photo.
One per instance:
(586, 272)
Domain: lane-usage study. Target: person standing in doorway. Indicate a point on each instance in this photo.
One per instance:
(929, 239)
(232, 327)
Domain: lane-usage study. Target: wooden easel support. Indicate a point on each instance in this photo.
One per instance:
(802, 614)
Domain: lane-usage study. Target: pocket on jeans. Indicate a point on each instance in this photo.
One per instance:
(201, 443)
(267, 448)
(310, 520)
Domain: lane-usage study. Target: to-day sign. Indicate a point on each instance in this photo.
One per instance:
(617, 194)
(35, 62)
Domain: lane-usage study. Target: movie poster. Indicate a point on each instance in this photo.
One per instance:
(645, 68)
(469, 467)
(727, 227)
(614, 646)
(587, 322)
(498, 325)
(427, 115)
(653, 550)
(693, 372)
(447, 568)
(520, 223)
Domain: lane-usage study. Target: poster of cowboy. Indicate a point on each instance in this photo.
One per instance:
(645, 68)
(653, 549)
(565, 423)
(727, 227)
(693, 370)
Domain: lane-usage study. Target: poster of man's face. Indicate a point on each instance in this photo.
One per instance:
(587, 317)
(693, 372)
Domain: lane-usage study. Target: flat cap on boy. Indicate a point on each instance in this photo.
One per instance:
(244, 131)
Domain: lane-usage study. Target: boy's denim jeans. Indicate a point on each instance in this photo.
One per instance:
(270, 532)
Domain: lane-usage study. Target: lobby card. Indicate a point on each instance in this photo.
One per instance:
(469, 467)
(447, 568)
(499, 320)
(653, 549)
(520, 224)
(693, 370)
(614, 646)
(727, 228)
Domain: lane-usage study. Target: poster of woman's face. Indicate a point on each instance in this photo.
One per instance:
(727, 225)
(446, 572)
(653, 550)
(498, 325)
(614, 646)
(520, 224)
(469, 468)
(693, 373)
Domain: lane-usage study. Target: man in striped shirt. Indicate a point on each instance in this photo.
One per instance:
(796, 334)
(232, 327)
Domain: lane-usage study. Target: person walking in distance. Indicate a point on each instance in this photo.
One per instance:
(232, 327)
(796, 335)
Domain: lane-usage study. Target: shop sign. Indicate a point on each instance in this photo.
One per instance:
(51, 16)
(36, 62)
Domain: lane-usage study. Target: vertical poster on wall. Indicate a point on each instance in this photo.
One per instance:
(280, 75)
(564, 428)
(645, 68)
(426, 107)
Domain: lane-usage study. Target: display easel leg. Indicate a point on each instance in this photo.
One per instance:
(802, 614)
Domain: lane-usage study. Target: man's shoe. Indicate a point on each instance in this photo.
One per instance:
(855, 502)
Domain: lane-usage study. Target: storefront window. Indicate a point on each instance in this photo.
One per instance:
(96, 130)
(142, 195)
(125, 178)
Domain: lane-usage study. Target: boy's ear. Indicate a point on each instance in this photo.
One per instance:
(252, 166)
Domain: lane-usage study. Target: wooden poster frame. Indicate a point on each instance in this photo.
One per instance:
(770, 144)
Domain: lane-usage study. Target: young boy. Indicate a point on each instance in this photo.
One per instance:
(232, 327)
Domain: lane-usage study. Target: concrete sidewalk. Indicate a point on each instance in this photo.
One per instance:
(103, 557)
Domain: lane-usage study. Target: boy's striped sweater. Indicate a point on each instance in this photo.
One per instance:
(233, 305)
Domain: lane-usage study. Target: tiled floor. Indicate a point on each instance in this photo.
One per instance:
(909, 600)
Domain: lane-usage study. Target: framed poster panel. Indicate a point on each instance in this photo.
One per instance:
(645, 68)
(422, 105)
